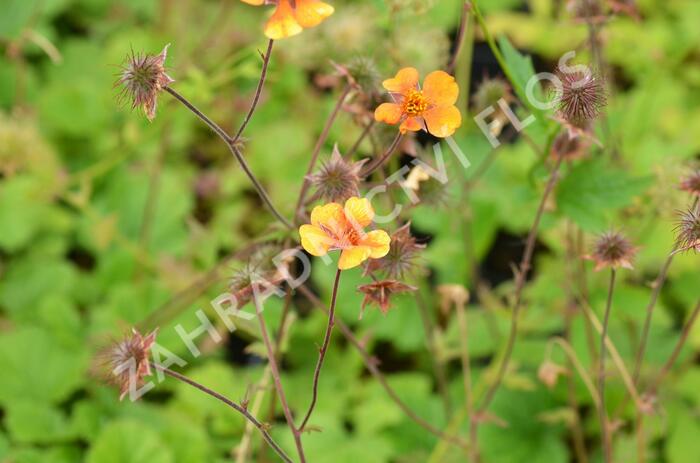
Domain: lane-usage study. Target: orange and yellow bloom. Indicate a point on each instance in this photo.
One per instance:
(431, 108)
(334, 227)
(293, 16)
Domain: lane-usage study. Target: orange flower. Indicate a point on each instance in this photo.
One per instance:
(292, 16)
(334, 227)
(431, 108)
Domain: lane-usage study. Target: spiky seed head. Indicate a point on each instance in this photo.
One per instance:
(691, 183)
(586, 10)
(142, 77)
(581, 97)
(365, 73)
(337, 179)
(612, 250)
(379, 293)
(688, 230)
(128, 361)
(259, 273)
(403, 259)
(490, 91)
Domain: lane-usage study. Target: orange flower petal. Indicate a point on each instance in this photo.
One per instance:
(352, 257)
(314, 240)
(358, 212)
(282, 23)
(378, 241)
(388, 112)
(411, 124)
(310, 13)
(405, 79)
(443, 120)
(440, 89)
(329, 216)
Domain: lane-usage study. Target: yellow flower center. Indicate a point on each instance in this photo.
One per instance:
(343, 238)
(414, 103)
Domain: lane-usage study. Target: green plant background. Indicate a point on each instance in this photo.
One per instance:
(101, 228)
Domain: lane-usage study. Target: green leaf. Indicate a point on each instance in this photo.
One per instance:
(522, 70)
(15, 16)
(526, 437)
(593, 189)
(32, 422)
(24, 205)
(35, 367)
(128, 441)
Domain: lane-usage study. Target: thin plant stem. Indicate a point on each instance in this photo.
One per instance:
(657, 286)
(521, 277)
(582, 282)
(242, 450)
(360, 139)
(317, 149)
(322, 351)
(676, 350)
(154, 189)
(577, 434)
(379, 162)
(236, 154)
(576, 362)
(279, 340)
(438, 364)
(614, 354)
(459, 40)
(466, 371)
(604, 428)
(258, 92)
(274, 369)
(242, 410)
(639, 429)
(497, 53)
(371, 365)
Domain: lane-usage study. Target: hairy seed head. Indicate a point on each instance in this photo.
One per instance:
(691, 183)
(612, 250)
(402, 260)
(128, 361)
(489, 92)
(141, 79)
(582, 97)
(688, 230)
(337, 179)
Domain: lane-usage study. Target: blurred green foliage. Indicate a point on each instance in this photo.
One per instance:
(105, 219)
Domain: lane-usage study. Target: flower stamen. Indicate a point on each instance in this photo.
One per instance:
(414, 103)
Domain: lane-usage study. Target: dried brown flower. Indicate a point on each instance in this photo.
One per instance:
(142, 78)
(691, 183)
(688, 230)
(612, 250)
(128, 360)
(571, 146)
(337, 179)
(582, 97)
(452, 294)
(402, 261)
(549, 373)
(258, 274)
(490, 92)
(379, 293)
